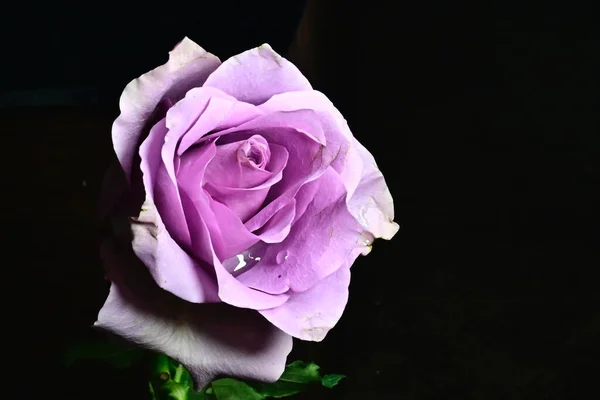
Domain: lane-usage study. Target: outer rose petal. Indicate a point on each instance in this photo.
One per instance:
(255, 75)
(160, 253)
(210, 340)
(189, 65)
(310, 315)
(372, 204)
(156, 245)
(369, 198)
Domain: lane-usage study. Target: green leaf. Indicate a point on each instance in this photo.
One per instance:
(297, 377)
(231, 389)
(331, 380)
(183, 376)
(301, 372)
(103, 350)
(203, 395)
(278, 389)
(208, 393)
(172, 390)
(171, 381)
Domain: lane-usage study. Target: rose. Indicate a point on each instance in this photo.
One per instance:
(256, 194)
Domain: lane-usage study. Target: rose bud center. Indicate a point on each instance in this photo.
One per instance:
(254, 152)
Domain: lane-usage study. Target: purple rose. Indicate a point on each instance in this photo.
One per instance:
(257, 195)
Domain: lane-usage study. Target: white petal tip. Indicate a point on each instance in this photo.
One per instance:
(314, 334)
(265, 46)
(390, 230)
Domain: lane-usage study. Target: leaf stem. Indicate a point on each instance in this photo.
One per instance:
(178, 373)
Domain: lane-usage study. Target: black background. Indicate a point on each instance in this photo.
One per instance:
(481, 118)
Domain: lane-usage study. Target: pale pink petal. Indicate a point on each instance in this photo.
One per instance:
(318, 244)
(172, 268)
(246, 200)
(189, 65)
(311, 314)
(255, 75)
(203, 110)
(227, 233)
(210, 340)
(372, 204)
(232, 291)
(339, 138)
(303, 138)
(277, 228)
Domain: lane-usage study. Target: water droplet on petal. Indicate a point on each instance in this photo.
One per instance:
(241, 262)
(282, 256)
(245, 260)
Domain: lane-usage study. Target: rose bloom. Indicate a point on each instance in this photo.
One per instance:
(248, 199)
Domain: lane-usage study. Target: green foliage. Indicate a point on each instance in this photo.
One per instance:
(330, 381)
(301, 372)
(232, 389)
(169, 380)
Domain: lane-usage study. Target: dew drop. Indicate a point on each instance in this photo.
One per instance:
(282, 256)
(241, 262)
(245, 260)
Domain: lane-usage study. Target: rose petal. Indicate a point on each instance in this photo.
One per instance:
(372, 204)
(340, 140)
(302, 136)
(153, 243)
(232, 291)
(243, 202)
(203, 110)
(160, 189)
(318, 244)
(305, 196)
(210, 340)
(227, 170)
(171, 267)
(189, 65)
(277, 228)
(255, 75)
(232, 232)
(227, 232)
(246, 201)
(162, 253)
(311, 314)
